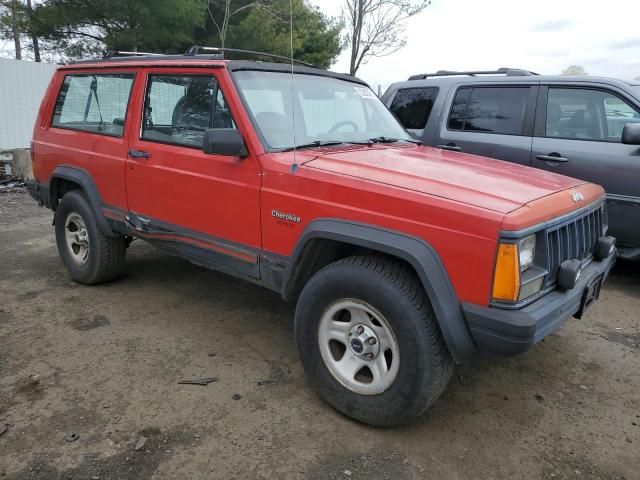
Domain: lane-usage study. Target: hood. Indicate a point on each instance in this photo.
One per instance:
(483, 182)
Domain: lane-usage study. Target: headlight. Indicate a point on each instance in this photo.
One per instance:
(516, 277)
(506, 279)
(526, 251)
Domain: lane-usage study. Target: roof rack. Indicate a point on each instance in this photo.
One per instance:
(509, 72)
(198, 50)
(120, 53)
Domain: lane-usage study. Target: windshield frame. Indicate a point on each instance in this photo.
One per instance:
(299, 71)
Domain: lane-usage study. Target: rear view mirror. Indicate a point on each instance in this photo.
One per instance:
(631, 134)
(224, 141)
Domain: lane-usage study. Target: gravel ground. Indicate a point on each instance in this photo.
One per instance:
(88, 373)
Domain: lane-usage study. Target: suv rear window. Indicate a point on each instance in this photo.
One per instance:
(498, 110)
(412, 106)
(95, 103)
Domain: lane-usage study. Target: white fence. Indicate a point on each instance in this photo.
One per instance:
(22, 85)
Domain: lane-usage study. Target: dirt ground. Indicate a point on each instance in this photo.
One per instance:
(85, 372)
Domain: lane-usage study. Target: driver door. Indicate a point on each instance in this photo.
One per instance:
(203, 206)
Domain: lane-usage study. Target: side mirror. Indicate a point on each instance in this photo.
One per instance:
(631, 134)
(224, 141)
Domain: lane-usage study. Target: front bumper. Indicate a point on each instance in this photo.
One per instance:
(509, 332)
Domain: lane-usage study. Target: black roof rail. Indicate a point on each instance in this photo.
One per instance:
(509, 72)
(120, 53)
(198, 49)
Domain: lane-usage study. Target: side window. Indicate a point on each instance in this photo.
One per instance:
(498, 110)
(178, 109)
(459, 109)
(412, 106)
(94, 103)
(587, 114)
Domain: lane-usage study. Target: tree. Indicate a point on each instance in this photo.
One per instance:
(11, 19)
(32, 31)
(376, 27)
(574, 70)
(316, 38)
(69, 29)
(222, 12)
(77, 28)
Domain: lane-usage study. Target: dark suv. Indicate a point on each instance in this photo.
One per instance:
(583, 127)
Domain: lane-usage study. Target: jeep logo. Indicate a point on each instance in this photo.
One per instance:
(285, 216)
(577, 196)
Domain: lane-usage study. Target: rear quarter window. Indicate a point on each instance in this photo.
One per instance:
(412, 106)
(95, 103)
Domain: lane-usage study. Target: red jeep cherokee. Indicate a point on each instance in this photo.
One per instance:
(402, 258)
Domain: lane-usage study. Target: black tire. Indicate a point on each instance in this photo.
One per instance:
(106, 253)
(394, 290)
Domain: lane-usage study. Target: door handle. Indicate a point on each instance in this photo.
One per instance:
(552, 157)
(450, 146)
(140, 154)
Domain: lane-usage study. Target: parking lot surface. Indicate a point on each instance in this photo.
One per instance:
(89, 374)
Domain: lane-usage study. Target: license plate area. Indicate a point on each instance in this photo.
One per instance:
(589, 296)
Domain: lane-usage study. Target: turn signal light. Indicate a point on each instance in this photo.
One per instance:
(506, 279)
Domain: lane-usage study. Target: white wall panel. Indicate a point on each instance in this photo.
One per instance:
(22, 85)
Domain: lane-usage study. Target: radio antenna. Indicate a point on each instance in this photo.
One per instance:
(294, 165)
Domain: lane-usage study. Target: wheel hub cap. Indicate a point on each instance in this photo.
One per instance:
(358, 346)
(364, 342)
(77, 238)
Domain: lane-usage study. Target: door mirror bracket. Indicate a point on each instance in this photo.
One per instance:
(224, 141)
(631, 134)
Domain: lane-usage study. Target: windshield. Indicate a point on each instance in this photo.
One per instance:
(324, 109)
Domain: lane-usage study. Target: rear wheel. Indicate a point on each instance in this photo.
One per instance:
(89, 255)
(369, 341)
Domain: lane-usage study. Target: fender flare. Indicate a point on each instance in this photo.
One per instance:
(88, 186)
(418, 253)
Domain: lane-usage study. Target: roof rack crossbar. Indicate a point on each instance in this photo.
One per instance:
(509, 72)
(121, 53)
(198, 49)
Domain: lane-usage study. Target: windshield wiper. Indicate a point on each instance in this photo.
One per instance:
(383, 139)
(324, 143)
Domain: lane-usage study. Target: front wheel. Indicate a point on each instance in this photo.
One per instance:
(89, 255)
(369, 341)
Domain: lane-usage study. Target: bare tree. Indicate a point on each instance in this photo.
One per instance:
(574, 70)
(376, 27)
(221, 11)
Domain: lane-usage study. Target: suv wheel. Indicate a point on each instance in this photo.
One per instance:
(89, 255)
(369, 341)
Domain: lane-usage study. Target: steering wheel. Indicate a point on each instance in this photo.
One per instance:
(342, 124)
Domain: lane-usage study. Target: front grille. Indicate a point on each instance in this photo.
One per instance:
(573, 239)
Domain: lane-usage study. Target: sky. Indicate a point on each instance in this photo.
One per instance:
(544, 36)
